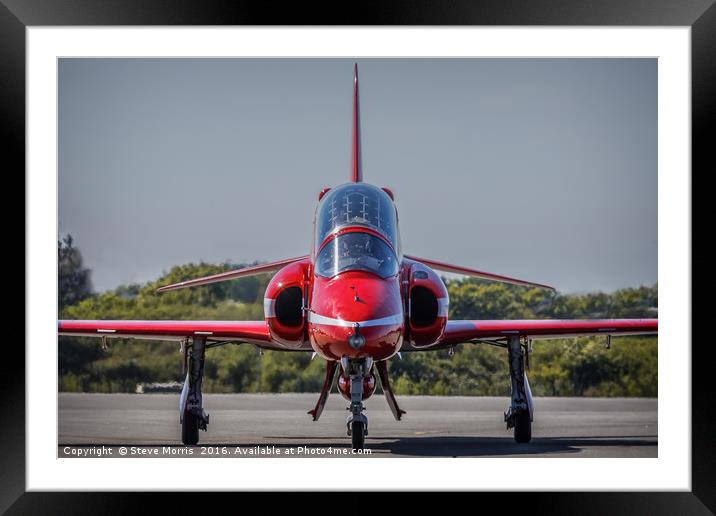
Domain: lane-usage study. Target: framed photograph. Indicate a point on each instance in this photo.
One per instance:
(59, 58)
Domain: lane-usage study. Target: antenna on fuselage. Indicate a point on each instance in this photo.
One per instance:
(356, 165)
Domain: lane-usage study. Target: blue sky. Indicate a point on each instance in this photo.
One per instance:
(545, 169)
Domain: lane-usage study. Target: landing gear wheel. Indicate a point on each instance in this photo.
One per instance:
(190, 429)
(523, 427)
(358, 434)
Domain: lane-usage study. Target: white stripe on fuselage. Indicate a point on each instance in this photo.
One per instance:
(269, 307)
(330, 321)
(443, 305)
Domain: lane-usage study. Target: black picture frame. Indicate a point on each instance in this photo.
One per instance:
(17, 15)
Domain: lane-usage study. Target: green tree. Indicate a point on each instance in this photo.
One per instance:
(570, 367)
(73, 279)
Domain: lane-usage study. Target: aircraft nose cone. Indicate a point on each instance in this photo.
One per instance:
(359, 297)
(357, 314)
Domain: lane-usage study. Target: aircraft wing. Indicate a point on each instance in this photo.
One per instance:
(457, 332)
(253, 332)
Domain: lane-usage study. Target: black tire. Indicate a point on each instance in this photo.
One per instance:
(358, 434)
(523, 427)
(190, 429)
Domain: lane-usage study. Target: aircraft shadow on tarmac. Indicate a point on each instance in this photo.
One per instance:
(495, 446)
(437, 446)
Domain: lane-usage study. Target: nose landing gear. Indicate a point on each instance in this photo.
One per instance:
(520, 413)
(357, 422)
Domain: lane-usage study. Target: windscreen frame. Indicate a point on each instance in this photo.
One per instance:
(330, 268)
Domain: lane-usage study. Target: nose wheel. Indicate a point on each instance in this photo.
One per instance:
(358, 430)
(357, 422)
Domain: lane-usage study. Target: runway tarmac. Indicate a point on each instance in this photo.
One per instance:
(251, 425)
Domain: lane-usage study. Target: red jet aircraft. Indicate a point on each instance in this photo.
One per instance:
(356, 301)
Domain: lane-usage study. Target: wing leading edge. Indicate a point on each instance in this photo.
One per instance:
(457, 332)
(254, 332)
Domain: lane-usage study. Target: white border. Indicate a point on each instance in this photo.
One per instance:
(670, 471)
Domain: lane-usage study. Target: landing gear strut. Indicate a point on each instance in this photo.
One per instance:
(388, 390)
(519, 414)
(331, 368)
(357, 422)
(191, 412)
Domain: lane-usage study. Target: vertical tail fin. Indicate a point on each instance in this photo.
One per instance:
(356, 165)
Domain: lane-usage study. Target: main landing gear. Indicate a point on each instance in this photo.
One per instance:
(191, 412)
(520, 413)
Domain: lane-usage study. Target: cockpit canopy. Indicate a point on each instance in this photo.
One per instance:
(356, 250)
(356, 204)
